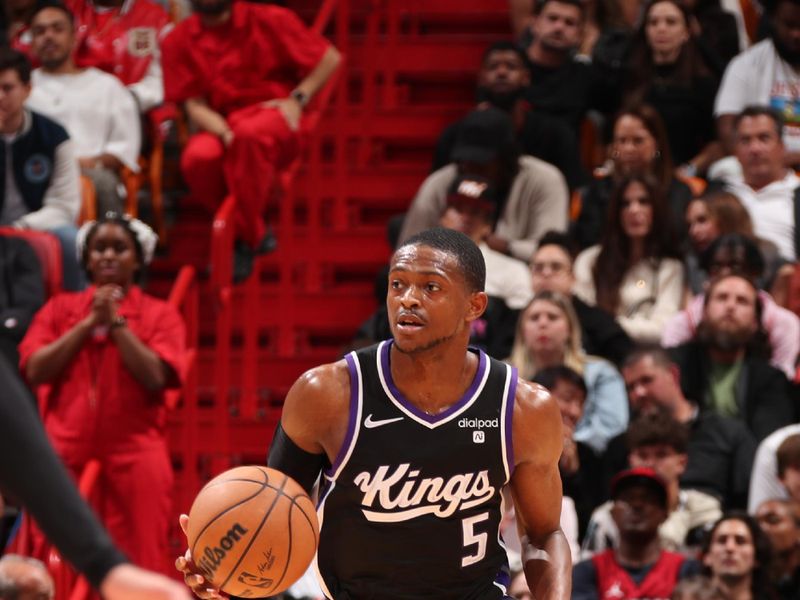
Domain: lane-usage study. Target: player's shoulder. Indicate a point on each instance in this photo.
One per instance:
(532, 398)
(323, 389)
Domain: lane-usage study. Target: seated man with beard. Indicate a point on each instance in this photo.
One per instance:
(726, 366)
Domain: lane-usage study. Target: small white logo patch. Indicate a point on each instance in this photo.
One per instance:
(478, 437)
(369, 423)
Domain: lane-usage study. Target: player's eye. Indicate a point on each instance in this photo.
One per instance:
(433, 287)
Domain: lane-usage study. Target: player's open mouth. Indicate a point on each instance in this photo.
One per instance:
(409, 322)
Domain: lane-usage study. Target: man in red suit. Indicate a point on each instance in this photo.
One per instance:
(244, 72)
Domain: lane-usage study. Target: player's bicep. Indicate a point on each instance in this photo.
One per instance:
(316, 410)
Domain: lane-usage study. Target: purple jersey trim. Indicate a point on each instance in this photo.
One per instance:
(351, 423)
(512, 394)
(473, 387)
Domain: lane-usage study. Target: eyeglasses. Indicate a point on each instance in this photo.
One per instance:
(554, 267)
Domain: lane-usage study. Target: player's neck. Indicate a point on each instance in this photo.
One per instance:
(419, 377)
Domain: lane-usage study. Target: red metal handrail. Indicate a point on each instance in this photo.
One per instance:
(222, 242)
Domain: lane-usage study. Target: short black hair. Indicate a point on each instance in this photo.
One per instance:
(504, 46)
(560, 239)
(657, 428)
(58, 5)
(761, 111)
(459, 246)
(538, 5)
(15, 60)
(658, 355)
(753, 258)
(550, 376)
(112, 218)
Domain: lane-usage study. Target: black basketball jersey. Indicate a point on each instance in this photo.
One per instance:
(411, 507)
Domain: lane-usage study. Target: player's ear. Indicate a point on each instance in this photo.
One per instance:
(477, 305)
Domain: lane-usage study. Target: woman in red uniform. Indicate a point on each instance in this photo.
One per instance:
(106, 355)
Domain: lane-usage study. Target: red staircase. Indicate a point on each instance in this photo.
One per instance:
(409, 70)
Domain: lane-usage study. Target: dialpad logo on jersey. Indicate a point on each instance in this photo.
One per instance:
(479, 423)
(401, 495)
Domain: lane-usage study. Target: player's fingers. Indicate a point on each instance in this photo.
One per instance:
(184, 522)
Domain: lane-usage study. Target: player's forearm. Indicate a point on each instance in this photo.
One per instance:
(39, 480)
(548, 567)
(321, 73)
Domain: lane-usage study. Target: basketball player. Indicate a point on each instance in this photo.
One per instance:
(31, 471)
(416, 438)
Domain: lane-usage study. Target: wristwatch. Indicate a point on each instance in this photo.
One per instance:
(300, 96)
(119, 321)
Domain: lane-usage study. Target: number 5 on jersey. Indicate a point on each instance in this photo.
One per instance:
(471, 538)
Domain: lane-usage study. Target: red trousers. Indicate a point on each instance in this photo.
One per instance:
(262, 146)
(133, 498)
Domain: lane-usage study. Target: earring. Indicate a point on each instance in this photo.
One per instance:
(657, 154)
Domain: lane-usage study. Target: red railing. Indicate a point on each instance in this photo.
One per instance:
(222, 241)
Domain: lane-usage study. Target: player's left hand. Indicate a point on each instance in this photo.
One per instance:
(191, 574)
(289, 108)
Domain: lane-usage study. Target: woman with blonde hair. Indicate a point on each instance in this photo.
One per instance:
(549, 334)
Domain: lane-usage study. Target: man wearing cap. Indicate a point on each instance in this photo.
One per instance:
(659, 442)
(471, 207)
(533, 195)
(639, 567)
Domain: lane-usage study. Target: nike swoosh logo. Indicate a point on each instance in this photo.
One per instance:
(369, 423)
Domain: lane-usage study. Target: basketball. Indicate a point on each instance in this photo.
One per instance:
(252, 531)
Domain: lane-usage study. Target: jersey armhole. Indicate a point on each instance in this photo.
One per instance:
(354, 418)
(509, 395)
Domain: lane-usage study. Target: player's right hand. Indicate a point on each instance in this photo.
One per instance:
(192, 575)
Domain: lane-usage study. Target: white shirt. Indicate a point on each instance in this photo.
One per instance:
(507, 278)
(771, 209)
(650, 293)
(759, 76)
(764, 482)
(98, 112)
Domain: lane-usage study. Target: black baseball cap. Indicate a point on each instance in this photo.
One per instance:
(481, 136)
(643, 476)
